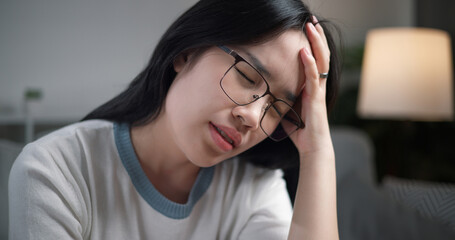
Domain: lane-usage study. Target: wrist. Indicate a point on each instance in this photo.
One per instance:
(323, 154)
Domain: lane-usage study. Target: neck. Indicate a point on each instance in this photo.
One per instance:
(165, 165)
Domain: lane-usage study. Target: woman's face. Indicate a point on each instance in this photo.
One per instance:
(206, 126)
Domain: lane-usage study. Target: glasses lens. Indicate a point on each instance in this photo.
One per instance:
(280, 120)
(243, 84)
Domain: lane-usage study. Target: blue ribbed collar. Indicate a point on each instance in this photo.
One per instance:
(145, 188)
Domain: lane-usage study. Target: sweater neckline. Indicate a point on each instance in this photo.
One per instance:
(146, 189)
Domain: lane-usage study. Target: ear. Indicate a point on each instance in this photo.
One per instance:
(180, 62)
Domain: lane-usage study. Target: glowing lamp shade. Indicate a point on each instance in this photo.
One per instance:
(407, 75)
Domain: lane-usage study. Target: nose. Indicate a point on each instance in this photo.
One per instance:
(250, 115)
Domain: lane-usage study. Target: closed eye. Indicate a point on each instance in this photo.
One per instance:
(244, 76)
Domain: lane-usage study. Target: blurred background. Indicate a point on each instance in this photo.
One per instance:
(59, 59)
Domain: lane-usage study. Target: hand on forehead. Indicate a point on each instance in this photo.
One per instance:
(280, 57)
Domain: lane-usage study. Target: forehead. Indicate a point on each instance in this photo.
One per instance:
(280, 57)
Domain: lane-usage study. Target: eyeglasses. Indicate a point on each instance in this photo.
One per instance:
(244, 84)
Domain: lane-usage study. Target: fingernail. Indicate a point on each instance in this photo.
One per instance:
(315, 20)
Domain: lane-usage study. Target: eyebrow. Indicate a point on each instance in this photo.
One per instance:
(258, 65)
(261, 68)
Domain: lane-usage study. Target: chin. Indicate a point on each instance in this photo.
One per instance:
(205, 162)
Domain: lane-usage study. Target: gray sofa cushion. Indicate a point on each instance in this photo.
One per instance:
(431, 199)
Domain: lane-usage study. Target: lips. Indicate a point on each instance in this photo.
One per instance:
(229, 135)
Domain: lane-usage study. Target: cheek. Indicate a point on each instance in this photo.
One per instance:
(174, 99)
(292, 80)
(195, 98)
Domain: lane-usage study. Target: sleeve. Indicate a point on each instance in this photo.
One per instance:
(271, 209)
(44, 202)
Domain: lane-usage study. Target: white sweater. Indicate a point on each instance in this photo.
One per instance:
(84, 182)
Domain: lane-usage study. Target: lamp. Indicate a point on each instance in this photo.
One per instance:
(407, 75)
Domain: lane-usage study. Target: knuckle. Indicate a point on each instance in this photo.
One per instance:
(311, 61)
(327, 57)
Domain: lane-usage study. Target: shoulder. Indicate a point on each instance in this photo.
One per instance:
(48, 186)
(65, 148)
(74, 137)
(62, 159)
(85, 130)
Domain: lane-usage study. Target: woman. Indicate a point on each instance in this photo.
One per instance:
(157, 162)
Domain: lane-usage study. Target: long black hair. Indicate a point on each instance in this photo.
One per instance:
(212, 23)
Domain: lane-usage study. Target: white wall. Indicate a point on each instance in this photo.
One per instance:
(356, 17)
(83, 52)
(79, 52)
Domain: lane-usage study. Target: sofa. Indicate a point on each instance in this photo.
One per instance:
(396, 208)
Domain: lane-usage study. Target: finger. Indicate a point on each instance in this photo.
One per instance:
(319, 29)
(320, 49)
(310, 68)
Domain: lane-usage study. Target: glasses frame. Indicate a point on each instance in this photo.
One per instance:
(299, 124)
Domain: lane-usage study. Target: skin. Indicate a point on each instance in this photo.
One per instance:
(315, 214)
(181, 138)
